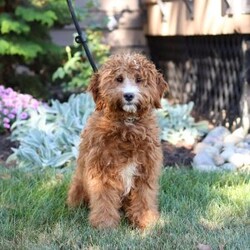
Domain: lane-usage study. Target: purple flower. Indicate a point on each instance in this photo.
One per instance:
(1, 88)
(5, 111)
(11, 116)
(23, 116)
(6, 125)
(8, 102)
(6, 120)
(13, 103)
(14, 111)
(9, 90)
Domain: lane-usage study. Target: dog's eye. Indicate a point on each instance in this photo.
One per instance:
(138, 79)
(119, 79)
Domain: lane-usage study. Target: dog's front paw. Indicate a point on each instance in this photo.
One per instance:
(103, 221)
(147, 219)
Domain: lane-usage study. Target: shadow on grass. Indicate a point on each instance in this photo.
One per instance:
(209, 208)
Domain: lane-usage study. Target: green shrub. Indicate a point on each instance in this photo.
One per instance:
(25, 45)
(76, 70)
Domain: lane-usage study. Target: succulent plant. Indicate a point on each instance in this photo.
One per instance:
(178, 125)
(50, 137)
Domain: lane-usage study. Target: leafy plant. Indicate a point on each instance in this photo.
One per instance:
(25, 44)
(178, 125)
(13, 106)
(50, 137)
(76, 70)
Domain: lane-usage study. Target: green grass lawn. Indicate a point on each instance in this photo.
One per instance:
(206, 208)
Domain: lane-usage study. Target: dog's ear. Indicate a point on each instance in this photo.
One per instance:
(94, 89)
(162, 87)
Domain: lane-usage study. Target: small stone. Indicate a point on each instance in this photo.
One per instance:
(244, 151)
(216, 135)
(242, 144)
(232, 139)
(199, 147)
(247, 138)
(227, 152)
(203, 162)
(236, 137)
(228, 166)
(239, 160)
(203, 158)
(218, 160)
(219, 145)
(210, 150)
(247, 143)
(239, 132)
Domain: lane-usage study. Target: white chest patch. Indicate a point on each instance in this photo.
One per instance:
(127, 175)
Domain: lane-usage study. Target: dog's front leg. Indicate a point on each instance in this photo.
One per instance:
(105, 203)
(142, 206)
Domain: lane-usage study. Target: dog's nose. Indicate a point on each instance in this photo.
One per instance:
(129, 96)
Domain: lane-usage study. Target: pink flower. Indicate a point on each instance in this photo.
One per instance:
(13, 103)
(6, 125)
(6, 120)
(11, 116)
(23, 116)
(5, 111)
(14, 111)
(9, 90)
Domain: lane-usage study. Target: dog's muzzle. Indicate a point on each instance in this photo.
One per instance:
(129, 106)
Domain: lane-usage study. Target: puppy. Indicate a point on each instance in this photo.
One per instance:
(120, 154)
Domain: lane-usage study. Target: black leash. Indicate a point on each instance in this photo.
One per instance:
(81, 38)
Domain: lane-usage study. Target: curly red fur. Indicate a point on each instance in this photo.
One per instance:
(120, 155)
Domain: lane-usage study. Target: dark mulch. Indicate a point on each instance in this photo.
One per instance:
(174, 156)
(5, 148)
(180, 156)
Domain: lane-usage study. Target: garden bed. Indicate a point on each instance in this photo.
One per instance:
(174, 156)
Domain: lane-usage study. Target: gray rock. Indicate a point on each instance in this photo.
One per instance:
(203, 162)
(236, 137)
(240, 132)
(245, 144)
(218, 160)
(242, 144)
(219, 145)
(227, 152)
(216, 135)
(199, 147)
(204, 147)
(239, 159)
(222, 150)
(232, 139)
(247, 138)
(244, 151)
